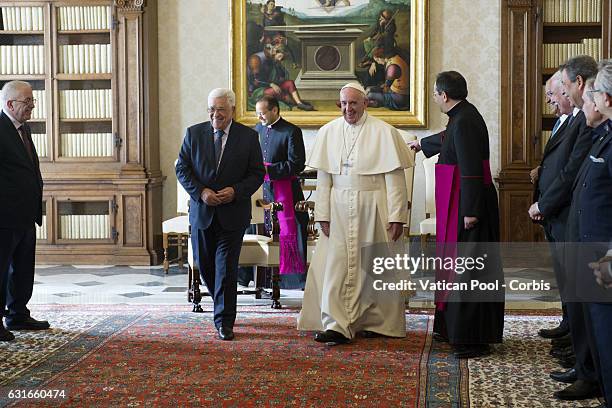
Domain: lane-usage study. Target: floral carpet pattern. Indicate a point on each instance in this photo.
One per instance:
(167, 356)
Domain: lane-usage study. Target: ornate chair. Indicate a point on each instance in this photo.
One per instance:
(257, 250)
(428, 225)
(409, 173)
(175, 231)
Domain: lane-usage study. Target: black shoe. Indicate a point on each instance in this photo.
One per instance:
(472, 351)
(553, 333)
(562, 352)
(562, 341)
(26, 323)
(225, 333)
(579, 390)
(567, 362)
(568, 377)
(6, 335)
(367, 334)
(331, 337)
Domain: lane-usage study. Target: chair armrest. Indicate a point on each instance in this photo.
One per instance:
(308, 207)
(274, 207)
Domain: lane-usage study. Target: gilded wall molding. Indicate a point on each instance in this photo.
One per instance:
(130, 5)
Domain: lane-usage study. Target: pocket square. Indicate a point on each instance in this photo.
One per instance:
(597, 159)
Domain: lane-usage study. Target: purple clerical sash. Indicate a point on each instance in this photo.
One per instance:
(291, 261)
(447, 220)
(447, 214)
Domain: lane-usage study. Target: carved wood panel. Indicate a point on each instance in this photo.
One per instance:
(516, 225)
(133, 225)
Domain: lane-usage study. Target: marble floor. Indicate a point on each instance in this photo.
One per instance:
(103, 284)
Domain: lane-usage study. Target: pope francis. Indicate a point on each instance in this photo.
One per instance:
(361, 200)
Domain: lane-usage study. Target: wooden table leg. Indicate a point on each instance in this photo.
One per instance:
(165, 246)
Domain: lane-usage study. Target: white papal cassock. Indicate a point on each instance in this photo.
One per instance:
(360, 188)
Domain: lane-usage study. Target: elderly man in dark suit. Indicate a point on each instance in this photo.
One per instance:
(583, 377)
(220, 166)
(21, 206)
(562, 156)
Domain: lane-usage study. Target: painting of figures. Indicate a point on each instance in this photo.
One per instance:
(303, 51)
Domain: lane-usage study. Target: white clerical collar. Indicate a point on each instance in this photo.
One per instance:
(360, 122)
(451, 108)
(274, 123)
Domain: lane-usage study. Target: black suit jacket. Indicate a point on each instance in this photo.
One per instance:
(562, 158)
(590, 219)
(283, 150)
(21, 183)
(241, 167)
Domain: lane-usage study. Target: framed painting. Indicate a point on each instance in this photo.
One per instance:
(303, 51)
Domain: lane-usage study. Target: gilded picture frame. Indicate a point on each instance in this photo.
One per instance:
(303, 51)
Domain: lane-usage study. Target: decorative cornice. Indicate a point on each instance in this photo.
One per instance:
(130, 5)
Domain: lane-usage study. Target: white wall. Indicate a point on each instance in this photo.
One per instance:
(464, 35)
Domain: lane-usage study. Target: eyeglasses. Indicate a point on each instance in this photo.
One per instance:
(26, 101)
(219, 110)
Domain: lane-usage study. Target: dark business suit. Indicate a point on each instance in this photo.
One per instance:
(21, 188)
(584, 223)
(217, 231)
(561, 160)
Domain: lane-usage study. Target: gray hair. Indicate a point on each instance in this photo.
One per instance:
(589, 85)
(583, 65)
(555, 80)
(604, 76)
(223, 93)
(12, 90)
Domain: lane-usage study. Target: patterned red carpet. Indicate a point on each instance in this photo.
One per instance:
(167, 356)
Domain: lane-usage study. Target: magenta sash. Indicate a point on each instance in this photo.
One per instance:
(447, 214)
(447, 219)
(291, 261)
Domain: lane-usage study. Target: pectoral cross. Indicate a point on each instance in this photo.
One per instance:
(346, 167)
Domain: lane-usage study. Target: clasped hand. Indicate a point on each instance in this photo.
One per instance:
(534, 212)
(223, 196)
(602, 272)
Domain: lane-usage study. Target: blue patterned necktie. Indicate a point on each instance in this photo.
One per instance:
(218, 146)
(556, 127)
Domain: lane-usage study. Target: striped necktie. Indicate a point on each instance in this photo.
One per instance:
(556, 127)
(218, 146)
